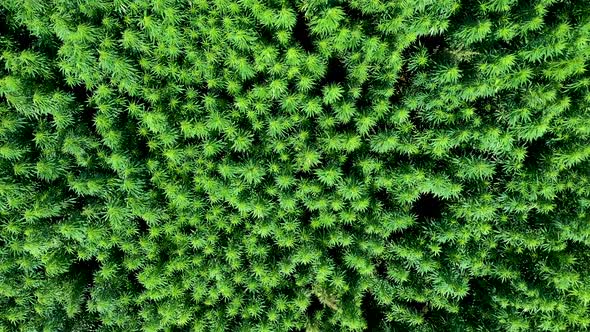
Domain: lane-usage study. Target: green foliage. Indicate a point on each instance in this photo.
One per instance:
(257, 165)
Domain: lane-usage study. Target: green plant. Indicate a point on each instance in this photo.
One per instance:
(313, 165)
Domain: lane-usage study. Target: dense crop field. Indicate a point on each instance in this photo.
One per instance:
(294, 165)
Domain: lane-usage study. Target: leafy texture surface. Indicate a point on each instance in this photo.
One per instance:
(287, 165)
